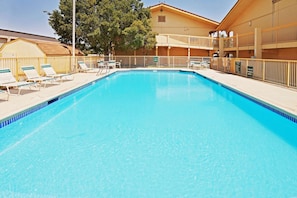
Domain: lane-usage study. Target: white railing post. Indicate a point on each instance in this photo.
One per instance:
(237, 46)
(288, 74)
(246, 67)
(263, 72)
(130, 61)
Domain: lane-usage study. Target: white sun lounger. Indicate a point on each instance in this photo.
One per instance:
(8, 81)
(50, 72)
(33, 76)
(84, 68)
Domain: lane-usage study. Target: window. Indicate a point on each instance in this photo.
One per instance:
(161, 19)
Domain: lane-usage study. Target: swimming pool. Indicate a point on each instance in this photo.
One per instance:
(150, 134)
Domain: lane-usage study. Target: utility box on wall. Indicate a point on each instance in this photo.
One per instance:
(237, 67)
(250, 71)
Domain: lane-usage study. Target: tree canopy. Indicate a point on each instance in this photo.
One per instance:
(102, 25)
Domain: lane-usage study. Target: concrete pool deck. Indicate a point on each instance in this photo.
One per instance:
(282, 98)
(30, 98)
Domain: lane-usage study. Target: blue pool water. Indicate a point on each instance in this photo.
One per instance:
(150, 134)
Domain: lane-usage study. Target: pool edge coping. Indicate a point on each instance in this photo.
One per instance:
(16, 115)
(47, 101)
(281, 111)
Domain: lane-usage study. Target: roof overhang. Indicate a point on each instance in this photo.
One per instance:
(234, 13)
(164, 7)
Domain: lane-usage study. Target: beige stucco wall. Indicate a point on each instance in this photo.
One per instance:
(264, 14)
(276, 25)
(177, 24)
(182, 23)
(20, 48)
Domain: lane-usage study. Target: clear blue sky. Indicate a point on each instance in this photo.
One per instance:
(28, 16)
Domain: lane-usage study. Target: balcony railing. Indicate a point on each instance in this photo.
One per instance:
(282, 72)
(276, 37)
(198, 42)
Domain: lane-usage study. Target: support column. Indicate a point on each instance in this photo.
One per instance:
(237, 46)
(258, 43)
(156, 52)
(135, 62)
(189, 56)
(168, 55)
(221, 46)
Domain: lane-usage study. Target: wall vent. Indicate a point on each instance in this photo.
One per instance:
(275, 1)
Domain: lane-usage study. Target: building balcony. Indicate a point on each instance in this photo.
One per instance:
(186, 41)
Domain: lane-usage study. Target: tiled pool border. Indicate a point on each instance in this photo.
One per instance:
(6, 121)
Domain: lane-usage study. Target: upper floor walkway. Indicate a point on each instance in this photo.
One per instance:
(284, 36)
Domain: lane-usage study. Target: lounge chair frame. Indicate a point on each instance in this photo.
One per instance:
(8, 81)
(50, 72)
(84, 68)
(33, 76)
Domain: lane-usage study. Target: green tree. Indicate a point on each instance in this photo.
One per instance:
(102, 25)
